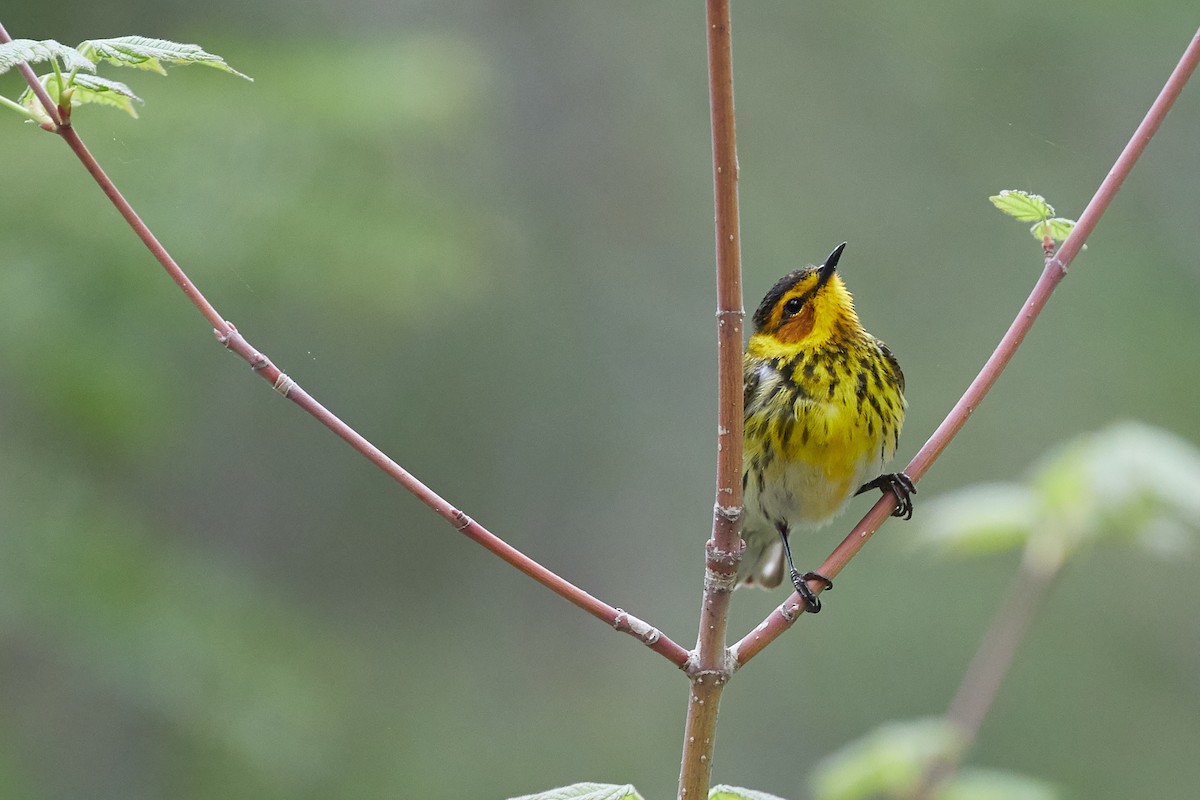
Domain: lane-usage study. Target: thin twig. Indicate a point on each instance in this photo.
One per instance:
(711, 667)
(229, 336)
(1055, 270)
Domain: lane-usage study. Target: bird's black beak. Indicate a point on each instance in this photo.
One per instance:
(827, 269)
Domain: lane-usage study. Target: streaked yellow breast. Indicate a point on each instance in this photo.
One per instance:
(820, 422)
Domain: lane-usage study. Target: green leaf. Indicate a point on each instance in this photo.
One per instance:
(981, 519)
(738, 793)
(586, 791)
(33, 52)
(984, 784)
(1057, 228)
(84, 90)
(94, 89)
(886, 762)
(139, 52)
(1024, 206)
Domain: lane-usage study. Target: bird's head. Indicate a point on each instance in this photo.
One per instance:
(808, 306)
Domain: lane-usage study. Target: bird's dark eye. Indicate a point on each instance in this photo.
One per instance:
(792, 307)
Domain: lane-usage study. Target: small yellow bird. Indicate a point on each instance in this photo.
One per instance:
(824, 403)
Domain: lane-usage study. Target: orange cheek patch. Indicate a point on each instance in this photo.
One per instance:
(797, 329)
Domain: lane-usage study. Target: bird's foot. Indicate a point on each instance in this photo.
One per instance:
(812, 603)
(899, 484)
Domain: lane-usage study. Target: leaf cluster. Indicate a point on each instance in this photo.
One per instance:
(1028, 207)
(73, 82)
(889, 761)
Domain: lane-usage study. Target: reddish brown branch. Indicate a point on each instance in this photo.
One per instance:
(619, 619)
(711, 667)
(228, 335)
(725, 544)
(1053, 273)
(730, 315)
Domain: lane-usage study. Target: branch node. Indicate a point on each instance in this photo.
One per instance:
(461, 521)
(717, 675)
(283, 384)
(720, 571)
(714, 676)
(719, 580)
(226, 336)
(644, 631)
(724, 558)
(790, 611)
(728, 513)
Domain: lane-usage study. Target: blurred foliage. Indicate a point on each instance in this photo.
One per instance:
(887, 763)
(737, 793)
(1130, 482)
(982, 784)
(482, 234)
(586, 791)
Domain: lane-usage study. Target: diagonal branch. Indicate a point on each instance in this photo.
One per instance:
(229, 336)
(1053, 273)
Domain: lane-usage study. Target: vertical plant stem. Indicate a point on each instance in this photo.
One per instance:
(991, 663)
(712, 667)
(704, 701)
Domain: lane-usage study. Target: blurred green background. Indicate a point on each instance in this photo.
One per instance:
(481, 232)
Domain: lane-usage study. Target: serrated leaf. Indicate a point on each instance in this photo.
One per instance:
(32, 52)
(985, 784)
(84, 90)
(982, 519)
(887, 762)
(586, 791)
(140, 52)
(94, 90)
(1057, 229)
(94, 83)
(738, 793)
(1024, 206)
